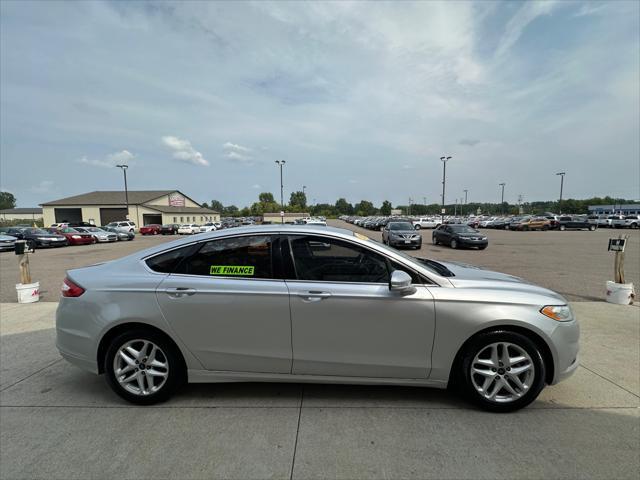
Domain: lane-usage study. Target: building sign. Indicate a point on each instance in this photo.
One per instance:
(176, 200)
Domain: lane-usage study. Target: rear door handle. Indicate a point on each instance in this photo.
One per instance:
(180, 292)
(313, 295)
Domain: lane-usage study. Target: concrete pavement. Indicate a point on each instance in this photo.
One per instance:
(59, 422)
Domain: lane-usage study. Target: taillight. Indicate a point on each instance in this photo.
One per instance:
(70, 289)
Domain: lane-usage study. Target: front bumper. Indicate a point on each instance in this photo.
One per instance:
(405, 242)
(565, 340)
(51, 243)
(467, 242)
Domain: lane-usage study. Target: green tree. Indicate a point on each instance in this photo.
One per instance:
(298, 201)
(385, 209)
(204, 205)
(216, 206)
(7, 200)
(230, 210)
(364, 208)
(266, 197)
(343, 207)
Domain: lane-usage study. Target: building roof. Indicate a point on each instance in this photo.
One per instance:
(136, 197)
(170, 209)
(30, 211)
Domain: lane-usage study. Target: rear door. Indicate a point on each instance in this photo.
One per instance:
(346, 321)
(226, 305)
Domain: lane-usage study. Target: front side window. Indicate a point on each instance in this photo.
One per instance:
(332, 260)
(236, 257)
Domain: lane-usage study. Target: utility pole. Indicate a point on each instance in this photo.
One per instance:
(281, 164)
(502, 198)
(561, 174)
(444, 179)
(465, 199)
(126, 191)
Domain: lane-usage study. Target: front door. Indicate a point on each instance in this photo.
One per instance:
(226, 306)
(346, 321)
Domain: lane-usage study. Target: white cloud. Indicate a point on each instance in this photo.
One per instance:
(43, 187)
(110, 160)
(523, 17)
(183, 151)
(256, 186)
(237, 153)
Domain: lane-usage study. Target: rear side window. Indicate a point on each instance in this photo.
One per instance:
(168, 261)
(237, 257)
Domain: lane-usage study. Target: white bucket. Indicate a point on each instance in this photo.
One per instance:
(28, 292)
(620, 293)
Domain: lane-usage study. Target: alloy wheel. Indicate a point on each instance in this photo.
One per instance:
(502, 372)
(141, 367)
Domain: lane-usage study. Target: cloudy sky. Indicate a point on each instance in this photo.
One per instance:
(360, 99)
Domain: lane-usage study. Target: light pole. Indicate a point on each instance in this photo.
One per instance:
(502, 199)
(281, 164)
(562, 174)
(126, 191)
(465, 198)
(444, 179)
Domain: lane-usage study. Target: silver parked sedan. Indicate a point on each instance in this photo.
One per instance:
(312, 304)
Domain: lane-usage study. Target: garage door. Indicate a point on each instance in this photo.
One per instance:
(68, 215)
(149, 219)
(108, 215)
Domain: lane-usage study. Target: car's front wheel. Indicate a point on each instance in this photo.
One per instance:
(501, 371)
(143, 367)
(434, 240)
(454, 243)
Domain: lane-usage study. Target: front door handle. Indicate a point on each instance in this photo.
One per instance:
(180, 292)
(313, 295)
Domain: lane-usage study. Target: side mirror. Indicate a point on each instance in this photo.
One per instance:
(401, 282)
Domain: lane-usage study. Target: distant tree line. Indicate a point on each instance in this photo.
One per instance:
(298, 203)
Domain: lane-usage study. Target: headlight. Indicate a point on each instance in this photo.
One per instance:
(561, 313)
(76, 236)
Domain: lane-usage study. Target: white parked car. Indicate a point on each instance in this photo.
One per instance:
(316, 221)
(188, 229)
(629, 221)
(425, 223)
(125, 226)
(210, 227)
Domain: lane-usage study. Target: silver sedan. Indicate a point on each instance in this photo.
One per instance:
(312, 304)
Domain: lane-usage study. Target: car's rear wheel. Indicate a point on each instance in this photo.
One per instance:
(501, 371)
(143, 367)
(562, 228)
(592, 228)
(434, 240)
(454, 243)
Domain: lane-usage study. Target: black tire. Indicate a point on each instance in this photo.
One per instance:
(592, 228)
(464, 381)
(453, 243)
(418, 227)
(177, 370)
(435, 241)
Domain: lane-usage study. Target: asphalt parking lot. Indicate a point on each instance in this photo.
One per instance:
(574, 263)
(57, 421)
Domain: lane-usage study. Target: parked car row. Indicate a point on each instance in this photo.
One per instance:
(59, 236)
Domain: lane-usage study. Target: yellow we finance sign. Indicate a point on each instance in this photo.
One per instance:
(246, 271)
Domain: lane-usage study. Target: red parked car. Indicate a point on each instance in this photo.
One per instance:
(150, 229)
(73, 236)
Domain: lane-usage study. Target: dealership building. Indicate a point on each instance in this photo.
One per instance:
(145, 207)
(622, 209)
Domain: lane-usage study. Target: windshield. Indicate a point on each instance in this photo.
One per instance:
(94, 229)
(463, 229)
(400, 226)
